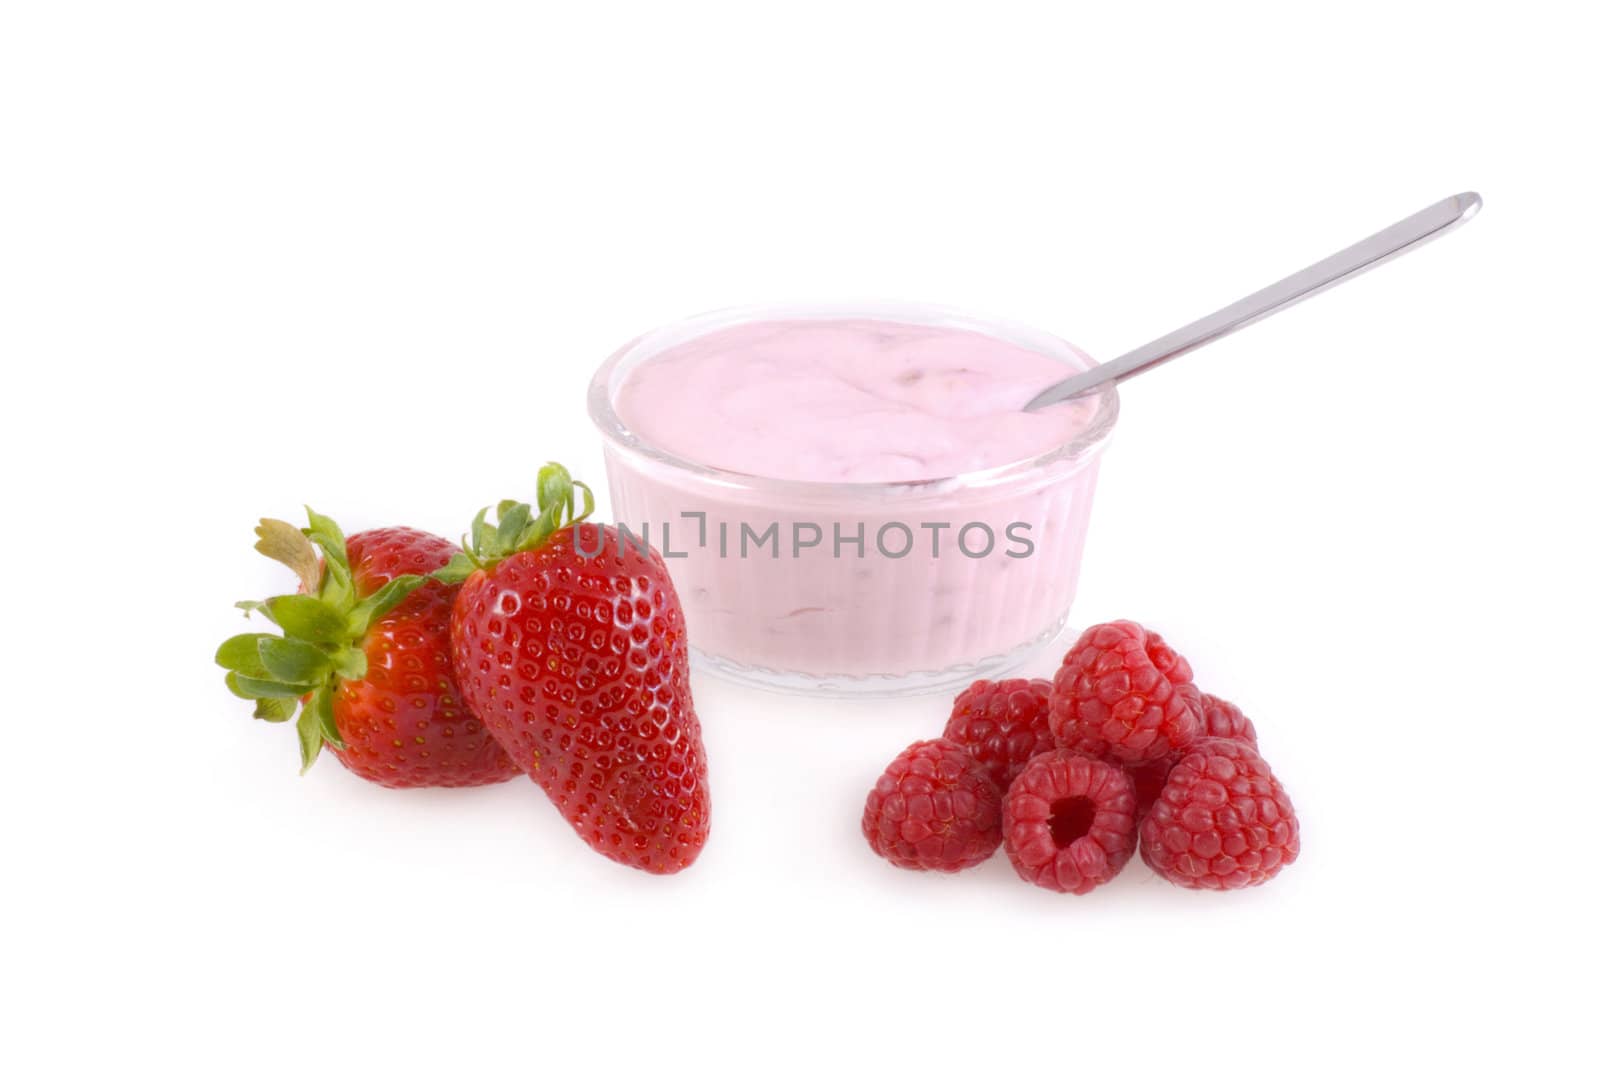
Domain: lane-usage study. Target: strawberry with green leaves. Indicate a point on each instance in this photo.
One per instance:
(571, 648)
(364, 655)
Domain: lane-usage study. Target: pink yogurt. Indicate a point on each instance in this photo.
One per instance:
(852, 498)
(847, 401)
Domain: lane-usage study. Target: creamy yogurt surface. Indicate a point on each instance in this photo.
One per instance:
(850, 401)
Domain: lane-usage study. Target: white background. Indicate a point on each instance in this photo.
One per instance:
(366, 257)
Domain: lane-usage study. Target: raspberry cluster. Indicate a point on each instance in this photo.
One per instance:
(1120, 750)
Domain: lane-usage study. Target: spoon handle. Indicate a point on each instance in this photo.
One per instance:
(1388, 243)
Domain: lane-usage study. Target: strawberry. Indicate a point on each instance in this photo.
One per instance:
(366, 651)
(571, 649)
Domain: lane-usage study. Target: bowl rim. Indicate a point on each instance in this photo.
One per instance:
(1073, 453)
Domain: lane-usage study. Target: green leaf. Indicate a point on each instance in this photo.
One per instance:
(453, 572)
(350, 663)
(248, 605)
(310, 733)
(542, 528)
(327, 535)
(588, 500)
(322, 704)
(241, 653)
(522, 526)
(289, 659)
(338, 590)
(382, 601)
(513, 523)
(555, 486)
(485, 537)
(258, 688)
(283, 542)
(306, 617)
(276, 710)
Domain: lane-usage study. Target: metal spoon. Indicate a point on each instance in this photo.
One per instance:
(1387, 244)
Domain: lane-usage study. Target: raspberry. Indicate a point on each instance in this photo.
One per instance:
(1219, 719)
(1122, 692)
(1069, 822)
(1222, 821)
(1002, 724)
(934, 808)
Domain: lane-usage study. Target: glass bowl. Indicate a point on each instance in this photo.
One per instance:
(859, 588)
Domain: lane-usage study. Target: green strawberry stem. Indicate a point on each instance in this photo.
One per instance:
(519, 526)
(322, 629)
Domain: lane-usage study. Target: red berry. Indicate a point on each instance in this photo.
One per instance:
(1122, 692)
(404, 724)
(1224, 721)
(379, 555)
(1068, 822)
(1222, 821)
(1002, 724)
(577, 661)
(934, 808)
(1219, 719)
(365, 656)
